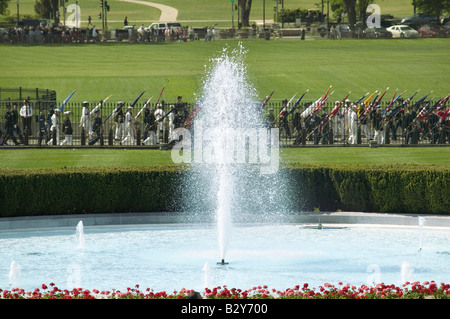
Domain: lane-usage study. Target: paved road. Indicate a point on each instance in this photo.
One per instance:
(168, 14)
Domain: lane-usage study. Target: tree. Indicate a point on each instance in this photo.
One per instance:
(46, 8)
(245, 7)
(350, 8)
(3, 6)
(432, 7)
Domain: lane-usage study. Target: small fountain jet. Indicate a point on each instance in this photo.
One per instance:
(222, 262)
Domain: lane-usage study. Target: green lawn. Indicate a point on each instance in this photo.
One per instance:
(75, 158)
(125, 70)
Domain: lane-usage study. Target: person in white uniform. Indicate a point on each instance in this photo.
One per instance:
(129, 122)
(55, 127)
(85, 121)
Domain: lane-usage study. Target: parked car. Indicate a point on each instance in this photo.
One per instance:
(164, 26)
(419, 19)
(432, 31)
(376, 33)
(4, 35)
(403, 31)
(447, 28)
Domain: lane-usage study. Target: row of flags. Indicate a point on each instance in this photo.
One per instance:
(118, 108)
(369, 103)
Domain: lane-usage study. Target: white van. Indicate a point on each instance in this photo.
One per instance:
(164, 26)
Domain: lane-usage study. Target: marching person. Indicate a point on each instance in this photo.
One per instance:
(9, 127)
(180, 105)
(315, 120)
(55, 127)
(85, 121)
(338, 122)
(26, 112)
(67, 129)
(270, 119)
(120, 125)
(97, 129)
(43, 133)
(150, 128)
(353, 124)
(129, 121)
(171, 117)
(284, 119)
(378, 126)
(159, 113)
(16, 127)
(365, 125)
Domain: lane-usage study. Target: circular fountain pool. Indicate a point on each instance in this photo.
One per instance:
(174, 256)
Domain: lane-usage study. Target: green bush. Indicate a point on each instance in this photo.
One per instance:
(393, 189)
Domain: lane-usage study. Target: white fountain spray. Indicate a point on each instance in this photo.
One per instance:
(14, 273)
(422, 222)
(406, 272)
(80, 234)
(228, 111)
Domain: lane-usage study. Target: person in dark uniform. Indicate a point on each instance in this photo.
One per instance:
(16, 128)
(179, 118)
(325, 128)
(120, 125)
(67, 129)
(284, 119)
(180, 105)
(150, 128)
(9, 127)
(97, 128)
(270, 119)
(42, 120)
(315, 125)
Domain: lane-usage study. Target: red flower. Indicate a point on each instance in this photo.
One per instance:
(44, 286)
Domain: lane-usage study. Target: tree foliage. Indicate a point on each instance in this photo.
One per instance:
(4, 6)
(432, 7)
(46, 8)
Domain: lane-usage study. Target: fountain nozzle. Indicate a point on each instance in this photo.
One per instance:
(222, 262)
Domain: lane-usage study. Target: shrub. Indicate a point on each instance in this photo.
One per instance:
(393, 189)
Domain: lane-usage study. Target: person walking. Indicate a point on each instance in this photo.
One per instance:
(97, 129)
(159, 114)
(54, 129)
(67, 129)
(120, 125)
(151, 127)
(85, 120)
(43, 133)
(16, 127)
(129, 121)
(26, 112)
(9, 127)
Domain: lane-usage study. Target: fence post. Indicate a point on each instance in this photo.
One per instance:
(25, 136)
(138, 136)
(110, 137)
(83, 136)
(54, 137)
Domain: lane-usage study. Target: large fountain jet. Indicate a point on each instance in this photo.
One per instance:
(230, 140)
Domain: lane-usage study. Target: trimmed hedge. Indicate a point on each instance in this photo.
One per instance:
(394, 189)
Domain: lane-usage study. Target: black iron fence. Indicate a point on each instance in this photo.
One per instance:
(338, 131)
(39, 97)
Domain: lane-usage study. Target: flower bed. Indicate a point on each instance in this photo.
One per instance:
(409, 290)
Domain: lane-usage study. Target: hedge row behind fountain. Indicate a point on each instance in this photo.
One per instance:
(394, 189)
